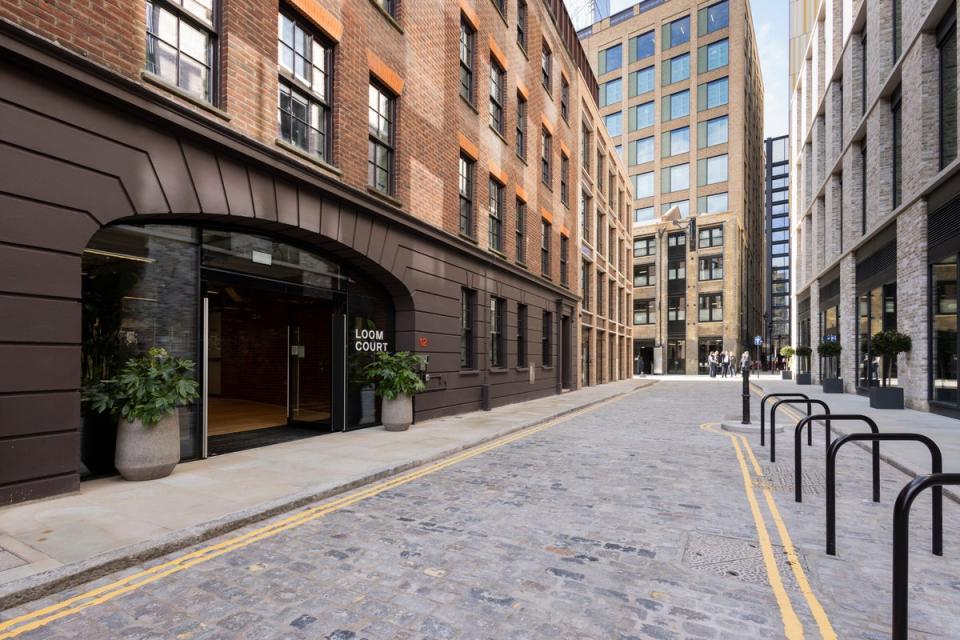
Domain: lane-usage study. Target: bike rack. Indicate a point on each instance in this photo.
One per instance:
(936, 462)
(773, 421)
(763, 402)
(840, 417)
(901, 541)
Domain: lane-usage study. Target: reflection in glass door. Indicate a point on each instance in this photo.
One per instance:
(311, 351)
(676, 360)
(944, 347)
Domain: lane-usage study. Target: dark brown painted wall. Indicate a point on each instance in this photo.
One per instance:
(79, 151)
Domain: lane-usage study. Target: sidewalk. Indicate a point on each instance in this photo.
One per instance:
(910, 457)
(111, 524)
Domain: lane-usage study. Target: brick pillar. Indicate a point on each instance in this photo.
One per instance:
(848, 322)
(913, 306)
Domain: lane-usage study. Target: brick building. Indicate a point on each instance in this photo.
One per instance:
(682, 96)
(277, 191)
(875, 182)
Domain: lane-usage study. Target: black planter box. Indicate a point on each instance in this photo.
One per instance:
(886, 398)
(833, 385)
(803, 378)
(786, 375)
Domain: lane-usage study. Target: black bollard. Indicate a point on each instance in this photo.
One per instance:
(746, 395)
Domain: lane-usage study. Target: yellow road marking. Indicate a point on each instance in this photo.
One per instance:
(42, 617)
(792, 627)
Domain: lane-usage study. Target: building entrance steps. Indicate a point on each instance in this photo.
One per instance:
(110, 524)
(908, 457)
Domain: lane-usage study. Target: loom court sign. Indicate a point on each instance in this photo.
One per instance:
(369, 340)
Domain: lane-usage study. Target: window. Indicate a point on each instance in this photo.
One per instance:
(676, 141)
(711, 237)
(380, 149)
(780, 262)
(304, 89)
(639, 152)
(522, 335)
(611, 92)
(498, 322)
(585, 216)
(468, 37)
(643, 214)
(676, 308)
(614, 123)
(600, 290)
(713, 94)
(564, 98)
(677, 240)
(546, 67)
(863, 187)
(863, 71)
(468, 299)
(642, 46)
(780, 223)
(545, 229)
(682, 205)
(564, 179)
(522, 23)
(501, 6)
(643, 247)
(676, 270)
(521, 126)
(676, 105)
(521, 231)
(675, 178)
(546, 357)
(643, 185)
(947, 51)
(497, 89)
(676, 33)
(599, 170)
(712, 170)
(713, 203)
(713, 132)
(643, 311)
(467, 168)
(676, 69)
(611, 59)
(585, 147)
(780, 274)
(496, 215)
(642, 81)
(711, 268)
(564, 258)
(713, 56)
(897, 19)
(546, 157)
(585, 284)
(643, 275)
(897, 131)
(713, 18)
(388, 6)
(180, 44)
(711, 307)
(641, 116)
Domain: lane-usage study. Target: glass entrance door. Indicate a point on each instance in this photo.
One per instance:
(311, 359)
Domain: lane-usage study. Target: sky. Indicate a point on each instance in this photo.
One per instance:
(771, 23)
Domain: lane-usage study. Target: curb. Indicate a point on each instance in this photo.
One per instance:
(19, 592)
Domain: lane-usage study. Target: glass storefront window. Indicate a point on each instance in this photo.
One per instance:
(830, 324)
(876, 312)
(944, 319)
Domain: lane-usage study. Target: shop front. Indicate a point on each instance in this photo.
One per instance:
(876, 309)
(830, 325)
(943, 255)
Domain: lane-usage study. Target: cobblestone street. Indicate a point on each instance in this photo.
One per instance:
(628, 520)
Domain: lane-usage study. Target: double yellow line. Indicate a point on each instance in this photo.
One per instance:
(793, 628)
(42, 617)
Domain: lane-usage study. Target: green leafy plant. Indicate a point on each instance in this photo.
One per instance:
(890, 344)
(396, 374)
(146, 388)
(803, 352)
(829, 349)
(787, 351)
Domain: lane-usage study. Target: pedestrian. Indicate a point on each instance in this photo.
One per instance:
(712, 363)
(725, 364)
(643, 366)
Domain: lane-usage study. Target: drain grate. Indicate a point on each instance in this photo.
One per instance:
(779, 477)
(734, 558)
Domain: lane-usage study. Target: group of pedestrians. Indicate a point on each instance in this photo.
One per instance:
(723, 363)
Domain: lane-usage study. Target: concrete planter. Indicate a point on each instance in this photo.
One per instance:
(804, 378)
(148, 453)
(833, 385)
(397, 414)
(786, 375)
(886, 398)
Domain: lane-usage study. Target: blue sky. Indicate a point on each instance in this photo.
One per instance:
(771, 23)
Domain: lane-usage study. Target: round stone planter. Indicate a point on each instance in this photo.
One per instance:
(397, 414)
(148, 453)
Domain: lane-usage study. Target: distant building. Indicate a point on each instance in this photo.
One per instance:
(776, 199)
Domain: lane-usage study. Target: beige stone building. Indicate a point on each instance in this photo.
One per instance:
(874, 201)
(682, 97)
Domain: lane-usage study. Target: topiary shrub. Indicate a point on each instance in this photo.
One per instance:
(890, 344)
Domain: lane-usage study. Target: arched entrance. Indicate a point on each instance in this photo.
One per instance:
(278, 328)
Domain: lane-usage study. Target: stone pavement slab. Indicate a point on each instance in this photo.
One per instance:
(110, 522)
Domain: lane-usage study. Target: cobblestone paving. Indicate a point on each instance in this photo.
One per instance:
(625, 522)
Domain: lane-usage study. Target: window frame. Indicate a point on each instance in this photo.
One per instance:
(522, 317)
(545, 230)
(467, 179)
(495, 211)
(710, 268)
(390, 143)
(468, 351)
(498, 336)
(713, 307)
(498, 88)
(212, 31)
(521, 231)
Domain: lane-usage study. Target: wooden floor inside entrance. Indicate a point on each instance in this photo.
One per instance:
(234, 415)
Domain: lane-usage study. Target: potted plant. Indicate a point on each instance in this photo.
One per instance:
(398, 379)
(830, 350)
(888, 344)
(145, 395)
(803, 375)
(787, 352)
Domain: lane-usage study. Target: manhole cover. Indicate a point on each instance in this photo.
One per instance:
(10, 560)
(734, 558)
(779, 477)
